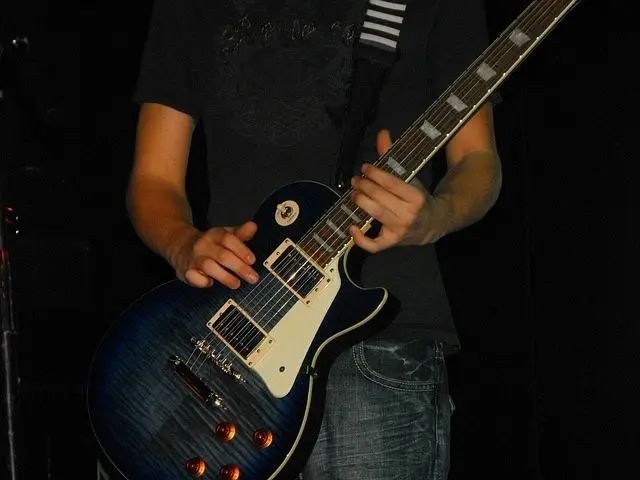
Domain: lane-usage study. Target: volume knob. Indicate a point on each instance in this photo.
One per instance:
(196, 467)
(262, 438)
(226, 431)
(230, 472)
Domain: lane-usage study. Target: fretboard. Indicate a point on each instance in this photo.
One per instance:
(411, 152)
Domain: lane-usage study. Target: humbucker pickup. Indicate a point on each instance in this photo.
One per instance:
(240, 332)
(299, 272)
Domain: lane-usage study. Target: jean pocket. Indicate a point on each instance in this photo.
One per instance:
(408, 366)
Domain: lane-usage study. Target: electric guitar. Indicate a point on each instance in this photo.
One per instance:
(229, 384)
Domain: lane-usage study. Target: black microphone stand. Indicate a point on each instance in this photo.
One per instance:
(9, 376)
(24, 91)
(8, 351)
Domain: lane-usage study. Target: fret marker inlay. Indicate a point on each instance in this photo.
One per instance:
(518, 37)
(336, 229)
(353, 215)
(396, 167)
(486, 72)
(431, 131)
(322, 243)
(455, 102)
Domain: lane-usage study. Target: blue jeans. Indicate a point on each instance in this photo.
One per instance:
(387, 415)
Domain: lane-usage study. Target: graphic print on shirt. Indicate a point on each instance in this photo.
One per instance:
(283, 70)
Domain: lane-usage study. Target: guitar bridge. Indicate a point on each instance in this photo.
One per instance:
(218, 359)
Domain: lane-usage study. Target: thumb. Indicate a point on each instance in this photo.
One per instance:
(246, 231)
(383, 142)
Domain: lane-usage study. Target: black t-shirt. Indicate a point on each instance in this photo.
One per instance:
(269, 81)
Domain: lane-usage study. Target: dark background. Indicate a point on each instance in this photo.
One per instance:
(545, 386)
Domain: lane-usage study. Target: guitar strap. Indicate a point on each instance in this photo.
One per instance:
(375, 53)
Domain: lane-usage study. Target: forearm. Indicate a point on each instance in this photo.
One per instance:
(160, 215)
(467, 191)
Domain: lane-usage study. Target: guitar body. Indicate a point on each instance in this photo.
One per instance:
(163, 400)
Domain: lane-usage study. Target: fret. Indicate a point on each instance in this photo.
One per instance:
(417, 145)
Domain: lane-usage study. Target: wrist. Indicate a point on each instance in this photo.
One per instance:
(439, 218)
(179, 240)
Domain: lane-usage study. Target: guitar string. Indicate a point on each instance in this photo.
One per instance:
(422, 143)
(439, 122)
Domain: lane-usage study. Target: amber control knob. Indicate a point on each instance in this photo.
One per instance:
(230, 472)
(196, 467)
(262, 438)
(226, 431)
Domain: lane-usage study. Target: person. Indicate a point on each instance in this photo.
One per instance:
(268, 83)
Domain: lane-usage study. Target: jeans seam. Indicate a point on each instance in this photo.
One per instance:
(438, 440)
(442, 444)
(386, 382)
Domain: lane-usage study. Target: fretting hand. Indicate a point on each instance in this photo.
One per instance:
(409, 215)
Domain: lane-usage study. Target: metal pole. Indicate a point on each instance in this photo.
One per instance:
(8, 348)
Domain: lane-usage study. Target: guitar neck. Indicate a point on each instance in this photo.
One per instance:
(411, 152)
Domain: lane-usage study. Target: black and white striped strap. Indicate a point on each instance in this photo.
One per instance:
(381, 26)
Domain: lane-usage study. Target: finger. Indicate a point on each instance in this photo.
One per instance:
(382, 199)
(388, 214)
(383, 141)
(246, 231)
(411, 194)
(229, 260)
(214, 270)
(371, 245)
(196, 278)
(231, 242)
